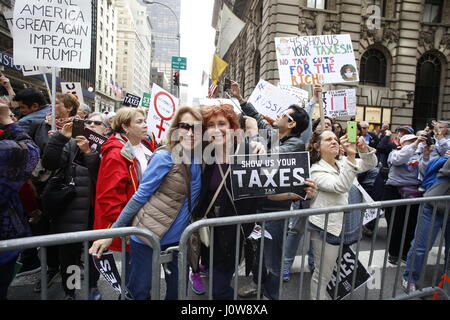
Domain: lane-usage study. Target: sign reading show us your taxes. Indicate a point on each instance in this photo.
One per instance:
(53, 33)
(309, 60)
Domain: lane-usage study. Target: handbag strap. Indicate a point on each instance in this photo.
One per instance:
(224, 177)
(187, 177)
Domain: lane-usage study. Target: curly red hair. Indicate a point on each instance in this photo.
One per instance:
(224, 110)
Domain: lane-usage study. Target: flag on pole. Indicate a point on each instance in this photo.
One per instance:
(204, 77)
(212, 89)
(218, 68)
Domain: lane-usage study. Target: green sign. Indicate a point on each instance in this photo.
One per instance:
(146, 100)
(179, 63)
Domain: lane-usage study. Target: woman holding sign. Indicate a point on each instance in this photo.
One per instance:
(163, 203)
(334, 176)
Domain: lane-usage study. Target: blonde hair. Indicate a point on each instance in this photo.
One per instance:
(124, 117)
(171, 141)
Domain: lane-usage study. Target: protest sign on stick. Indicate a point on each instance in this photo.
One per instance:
(53, 33)
(131, 100)
(323, 59)
(340, 103)
(163, 106)
(73, 88)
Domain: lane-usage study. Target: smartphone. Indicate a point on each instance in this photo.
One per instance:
(78, 128)
(227, 85)
(351, 131)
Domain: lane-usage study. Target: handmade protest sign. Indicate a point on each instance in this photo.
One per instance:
(346, 272)
(106, 265)
(300, 94)
(270, 100)
(95, 140)
(73, 88)
(316, 59)
(255, 176)
(53, 33)
(162, 109)
(131, 100)
(339, 103)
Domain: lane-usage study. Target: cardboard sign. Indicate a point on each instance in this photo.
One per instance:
(339, 103)
(300, 94)
(106, 265)
(348, 264)
(145, 102)
(53, 33)
(255, 176)
(73, 88)
(217, 102)
(316, 59)
(270, 100)
(95, 140)
(131, 100)
(162, 109)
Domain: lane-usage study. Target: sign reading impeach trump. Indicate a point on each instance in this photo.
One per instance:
(53, 33)
(255, 176)
(316, 59)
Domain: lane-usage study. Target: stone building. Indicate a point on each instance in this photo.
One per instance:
(403, 62)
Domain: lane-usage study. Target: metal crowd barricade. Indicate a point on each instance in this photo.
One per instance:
(85, 236)
(286, 215)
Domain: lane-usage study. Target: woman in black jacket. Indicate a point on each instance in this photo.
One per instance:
(218, 120)
(74, 161)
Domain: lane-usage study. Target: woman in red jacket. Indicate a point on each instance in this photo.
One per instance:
(124, 159)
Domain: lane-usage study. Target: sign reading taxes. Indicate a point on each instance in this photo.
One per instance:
(131, 100)
(255, 176)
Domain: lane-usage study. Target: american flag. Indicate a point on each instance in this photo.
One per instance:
(212, 89)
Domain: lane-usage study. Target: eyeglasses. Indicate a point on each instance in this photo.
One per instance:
(97, 123)
(286, 114)
(196, 128)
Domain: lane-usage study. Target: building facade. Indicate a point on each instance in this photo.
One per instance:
(403, 61)
(133, 47)
(165, 36)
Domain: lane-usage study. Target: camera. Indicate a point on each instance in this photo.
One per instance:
(430, 140)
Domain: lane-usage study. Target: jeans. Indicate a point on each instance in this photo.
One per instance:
(6, 277)
(295, 232)
(222, 284)
(272, 258)
(140, 276)
(422, 234)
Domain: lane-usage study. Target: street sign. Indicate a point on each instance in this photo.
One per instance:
(179, 63)
(145, 102)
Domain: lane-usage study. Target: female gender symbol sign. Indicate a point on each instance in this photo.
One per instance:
(163, 118)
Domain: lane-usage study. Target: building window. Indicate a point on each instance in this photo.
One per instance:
(257, 68)
(317, 4)
(382, 5)
(373, 68)
(433, 11)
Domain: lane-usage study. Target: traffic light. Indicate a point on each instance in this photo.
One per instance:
(176, 79)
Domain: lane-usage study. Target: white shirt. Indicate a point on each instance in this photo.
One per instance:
(142, 155)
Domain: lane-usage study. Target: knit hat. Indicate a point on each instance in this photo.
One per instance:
(407, 137)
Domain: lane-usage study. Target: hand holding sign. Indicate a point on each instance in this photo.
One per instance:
(99, 246)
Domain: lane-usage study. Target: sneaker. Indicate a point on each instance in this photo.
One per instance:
(197, 283)
(204, 271)
(248, 291)
(94, 294)
(52, 275)
(29, 268)
(286, 275)
(69, 296)
(409, 288)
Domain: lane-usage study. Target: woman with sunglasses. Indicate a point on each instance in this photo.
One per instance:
(334, 176)
(163, 203)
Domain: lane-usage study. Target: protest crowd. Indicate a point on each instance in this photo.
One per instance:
(58, 181)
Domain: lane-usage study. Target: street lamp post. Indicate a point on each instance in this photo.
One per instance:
(178, 31)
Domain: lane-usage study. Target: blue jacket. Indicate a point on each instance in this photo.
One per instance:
(432, 170)
(25, 122)
(18, 158)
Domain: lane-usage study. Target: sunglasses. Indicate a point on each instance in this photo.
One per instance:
(187, 127)
(286, 114)
(89, 122)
